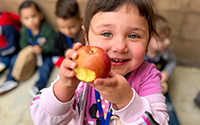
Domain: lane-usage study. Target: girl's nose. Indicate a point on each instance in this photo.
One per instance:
(120, 45)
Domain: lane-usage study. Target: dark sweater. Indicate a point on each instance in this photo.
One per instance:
(60, 45)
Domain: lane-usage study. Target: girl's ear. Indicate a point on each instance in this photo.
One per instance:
(85, 36)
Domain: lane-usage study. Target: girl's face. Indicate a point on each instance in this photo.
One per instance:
(69, 27)
(160, 44)
(31, 18)
(123, 34)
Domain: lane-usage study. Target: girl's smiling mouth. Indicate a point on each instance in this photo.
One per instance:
(118, 62)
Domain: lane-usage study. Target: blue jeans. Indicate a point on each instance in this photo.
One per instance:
(12, 62)
(6, 60)
(44, 72)
(173, 120)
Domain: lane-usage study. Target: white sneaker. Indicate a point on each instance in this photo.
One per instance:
(33, 91)
(8, 86)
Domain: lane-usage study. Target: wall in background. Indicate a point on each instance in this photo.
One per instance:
(183, 16)
(184, 19)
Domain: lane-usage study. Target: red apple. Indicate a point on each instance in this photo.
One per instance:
(93, 62)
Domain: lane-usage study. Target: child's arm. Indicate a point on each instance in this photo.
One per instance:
(127, 104)
(65, 87)
(46, 109)
(23, 42)
(11, 35)
(169, 67)
(144, 110)
(55, 105)
(47, 36)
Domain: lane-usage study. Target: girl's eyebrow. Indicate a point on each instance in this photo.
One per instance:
(138, 29)
(105, 25)
(111, 25)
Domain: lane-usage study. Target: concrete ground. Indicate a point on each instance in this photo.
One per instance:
(184, 86)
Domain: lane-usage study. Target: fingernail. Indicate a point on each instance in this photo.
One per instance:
(74, 55)
(74, 65)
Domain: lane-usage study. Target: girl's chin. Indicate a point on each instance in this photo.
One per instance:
(120, 72)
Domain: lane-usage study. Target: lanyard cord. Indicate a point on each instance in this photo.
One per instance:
(30, 41)
(69, 41)
(99, 107)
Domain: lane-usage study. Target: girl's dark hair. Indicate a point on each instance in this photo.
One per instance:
(144, 6)
(67, 8)
(27, 4)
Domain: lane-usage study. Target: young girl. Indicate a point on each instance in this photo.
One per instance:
(40, 36)
(123, 29)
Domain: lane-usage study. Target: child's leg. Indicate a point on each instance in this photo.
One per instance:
(4, 62)
(44, 72)
(173, 120)
(10, 82)
(9, 76)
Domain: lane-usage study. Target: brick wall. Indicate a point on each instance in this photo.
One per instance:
(183, 16)
(184, 19)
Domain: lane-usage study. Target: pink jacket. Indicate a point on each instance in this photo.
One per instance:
(146, 107)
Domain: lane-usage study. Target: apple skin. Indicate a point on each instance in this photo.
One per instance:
(94, 59)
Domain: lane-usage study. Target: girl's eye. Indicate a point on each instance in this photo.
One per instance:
(107, 34)
(133, 36)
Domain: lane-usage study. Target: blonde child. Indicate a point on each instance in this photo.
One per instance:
(69, 24)
(37, 33)
(123, 29)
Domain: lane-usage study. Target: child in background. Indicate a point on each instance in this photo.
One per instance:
(9, 38)
(160, 54)
(123, 29)
(69, 24)
(40, 35)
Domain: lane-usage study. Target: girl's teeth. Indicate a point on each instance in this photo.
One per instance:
(117, 60)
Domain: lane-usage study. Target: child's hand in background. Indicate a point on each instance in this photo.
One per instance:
(115, 89)
(37, 49)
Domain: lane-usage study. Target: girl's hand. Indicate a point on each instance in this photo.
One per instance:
(65, 87)
(37, 49)
(115, 89)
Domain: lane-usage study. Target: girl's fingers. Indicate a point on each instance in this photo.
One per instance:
(71, 54)
(69, 64)
(67, 73)
(111, 81)
(66, 68)
(77, 46)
